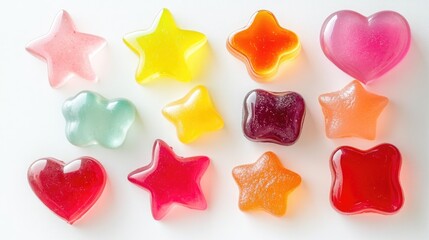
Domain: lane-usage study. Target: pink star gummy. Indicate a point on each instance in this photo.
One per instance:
(172, 179)
(66, 51)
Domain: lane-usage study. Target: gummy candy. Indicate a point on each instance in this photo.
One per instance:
(69, 190)
(352, 112)
(365, 48)
(66, 51)
(193, 115)
(172, 179)
(263, 45)
(366, 181)
(92, 119)
(265, 184)
(165, 49)
(275, 117)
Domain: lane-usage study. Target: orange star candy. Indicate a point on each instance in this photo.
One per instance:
(263, 45)
(352, 112)
(265, 184)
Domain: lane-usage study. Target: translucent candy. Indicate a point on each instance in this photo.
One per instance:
(352, 112)
(92, 119)
(69, 190)
(172, 179)
(365, 48)
(165, 49)
(66, 51)
(265, 184)
(275, 117)
(193, 115)
(263, 45)
(366, 181)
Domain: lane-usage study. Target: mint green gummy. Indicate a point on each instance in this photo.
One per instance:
(92, 119)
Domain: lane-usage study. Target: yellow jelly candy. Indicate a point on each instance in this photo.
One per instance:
(164, 49)
(193, 115)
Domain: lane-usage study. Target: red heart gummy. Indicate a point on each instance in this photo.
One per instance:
(69, 190)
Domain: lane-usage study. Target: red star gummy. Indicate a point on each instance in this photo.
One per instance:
(172, 179)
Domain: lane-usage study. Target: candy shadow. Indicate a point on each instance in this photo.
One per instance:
(134, 136)
(295, 72)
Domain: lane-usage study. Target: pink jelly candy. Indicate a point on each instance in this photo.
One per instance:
(365, 47)
(172, 179)
(66, 51)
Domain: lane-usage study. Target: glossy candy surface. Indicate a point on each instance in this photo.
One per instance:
(66, 51)
(352, 112)
(165, 49)
(263, 45)
(172, 179)
(265, 184)
(366, 181)
(92, 119)
(69, 190)
(365, 47)
(193, 115)
(275, 117)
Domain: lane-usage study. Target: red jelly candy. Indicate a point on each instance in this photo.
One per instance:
(69, 190)
(366, 181)
(172, 179)
(275, 117)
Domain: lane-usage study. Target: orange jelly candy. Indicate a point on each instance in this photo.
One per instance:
(352, 112)
(263, 45)
(265, 184)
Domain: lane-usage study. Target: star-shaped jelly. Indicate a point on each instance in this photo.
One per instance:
(172, 179)
(165, 49)
(263, 45)
(265, 184)
(92, 119)
(275, 117)
(352, 112)
(366, 181)
(66, 51)
(193, 115)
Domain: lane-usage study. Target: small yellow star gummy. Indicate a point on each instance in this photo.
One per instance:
(193, 115)
(164, 49)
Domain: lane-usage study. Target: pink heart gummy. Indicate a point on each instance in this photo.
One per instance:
(365, 47)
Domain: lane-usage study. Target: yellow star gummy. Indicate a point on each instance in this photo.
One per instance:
(164, 49)
(193, 115)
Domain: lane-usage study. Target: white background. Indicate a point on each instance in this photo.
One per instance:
(32, 126)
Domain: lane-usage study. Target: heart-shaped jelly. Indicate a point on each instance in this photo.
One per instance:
(69, 190)
(365, 47)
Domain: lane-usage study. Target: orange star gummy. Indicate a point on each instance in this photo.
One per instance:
(352, 112)
(265, 184)
(263, 45)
